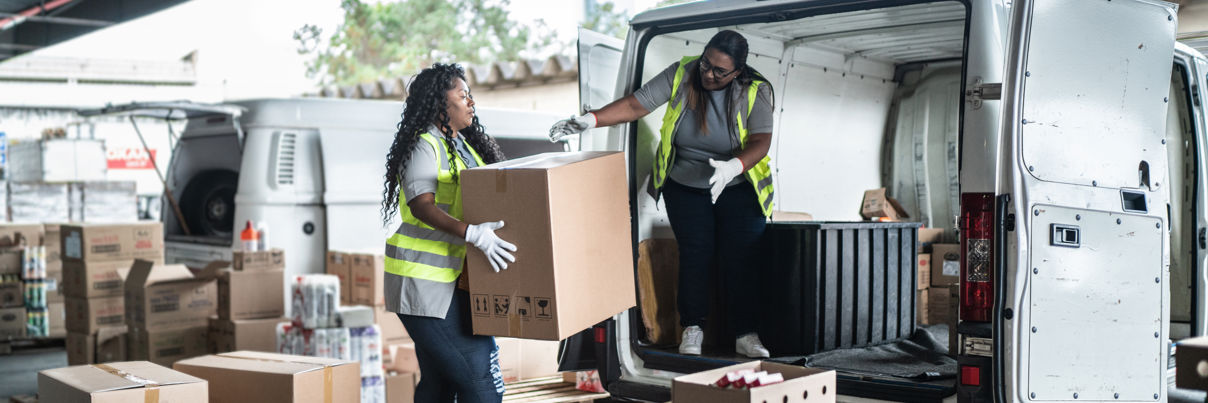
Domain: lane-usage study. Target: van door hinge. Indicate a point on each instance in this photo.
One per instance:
(1203, 238)
(982, 92)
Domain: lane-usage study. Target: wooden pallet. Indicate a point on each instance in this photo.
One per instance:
(548, 390)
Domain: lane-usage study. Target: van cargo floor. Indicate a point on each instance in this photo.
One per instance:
(921, 357)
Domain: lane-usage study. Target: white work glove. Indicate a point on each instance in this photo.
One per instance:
(723, 173)
(572, 125)
(483, 237)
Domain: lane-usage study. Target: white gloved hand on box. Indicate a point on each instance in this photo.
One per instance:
(483, 237)
(723, 173)
(572, 125)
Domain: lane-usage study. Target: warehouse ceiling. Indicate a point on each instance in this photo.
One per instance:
(29, 25)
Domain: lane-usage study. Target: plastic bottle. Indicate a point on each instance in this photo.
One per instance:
(249, 237)
(262, 232)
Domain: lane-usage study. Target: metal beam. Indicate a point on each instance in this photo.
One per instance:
(958, 23)
(60, 20)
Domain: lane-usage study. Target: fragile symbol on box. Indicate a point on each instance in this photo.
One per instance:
(544, 308)
(482, 305)
(501, 305)
(524, 307)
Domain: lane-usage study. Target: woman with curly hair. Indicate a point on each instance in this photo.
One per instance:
(438, 137)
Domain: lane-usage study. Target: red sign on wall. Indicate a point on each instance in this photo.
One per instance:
(129, 158)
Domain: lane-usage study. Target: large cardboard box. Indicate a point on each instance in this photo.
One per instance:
(163, 296)
(246, 376)
(924, 272)
(122, 382)
(248, 294)
(817, 384)
(12, 260)
(400, 387)
(21, 233)
(86, 315)
(166, 346)
(929, 236)
(99, 242)
(366, 271)
(400, 357)
(54, 263)
(940, 306)
(393, 331)
(568, 215)
(108, 344)
(96, 278)
(273, 259)
(12, 294)
(337, 265)
(248, 334)
(945, 264)
(878, 204)
(12, 322)
(56, 319)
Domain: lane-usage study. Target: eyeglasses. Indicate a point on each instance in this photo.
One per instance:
(717, 71)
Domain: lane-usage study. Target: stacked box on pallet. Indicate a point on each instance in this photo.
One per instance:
(59, 160)
(167, 311)
(38, 202)
(92, 256)
(250, 301)
(23, 280)
(108, 202)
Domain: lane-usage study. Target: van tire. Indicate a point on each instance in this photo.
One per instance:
(208, 203)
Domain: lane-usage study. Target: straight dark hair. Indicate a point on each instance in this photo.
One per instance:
(734, 45)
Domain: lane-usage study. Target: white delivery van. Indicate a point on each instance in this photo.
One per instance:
(1060, 142)
(310, 169)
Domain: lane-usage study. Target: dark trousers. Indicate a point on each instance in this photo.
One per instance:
(455, 365)
(729, 232)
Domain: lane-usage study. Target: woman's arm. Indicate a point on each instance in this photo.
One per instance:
(756, 148)
(623, 110)
(424, 208)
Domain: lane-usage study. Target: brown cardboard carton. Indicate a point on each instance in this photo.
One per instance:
(400, 357)
(95, 278)
(246, 376)
(56, 319)
(108, 344)
(929, 236)
(99, 242)
(166, 346)
(21, 234)
(273, 259)
(120, 382)
(878, 204)
(337, 265)
(86, 315)
(400, 387)
(168, 296)
(568, 215)
(11, 260)
(12, 322)
(945, 264)
(250, 334)
(521, 359)
(367, 272)
(247, 294)
(924, 272)
(12, 294)
(54, 284)
(818, 384)
(1187, 357)
(920, 305)
(939, 306)
(658, 280)
(393, 331)
(52, 242)
(54, 263)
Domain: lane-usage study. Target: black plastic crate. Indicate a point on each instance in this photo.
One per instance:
(832, 285)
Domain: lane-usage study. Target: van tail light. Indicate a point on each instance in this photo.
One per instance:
(977, 256)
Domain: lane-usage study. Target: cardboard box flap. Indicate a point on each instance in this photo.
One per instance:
(255, 355)
(140, 274)
(546, 160)
(118, 375)
(250, 364)
(214, 269)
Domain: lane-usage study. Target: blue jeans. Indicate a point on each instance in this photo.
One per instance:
(454, 364)
(730, 232)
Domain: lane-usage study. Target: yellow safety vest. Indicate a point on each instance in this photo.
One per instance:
(419, 251)
(760, 175)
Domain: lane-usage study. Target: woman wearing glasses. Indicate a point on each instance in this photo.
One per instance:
(712, 166)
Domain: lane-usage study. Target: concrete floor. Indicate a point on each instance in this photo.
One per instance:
(19, 370)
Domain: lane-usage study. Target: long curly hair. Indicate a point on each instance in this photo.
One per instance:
(426, 105)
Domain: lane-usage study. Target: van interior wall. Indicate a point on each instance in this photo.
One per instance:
(1180, 146)
(924, 172)
(192, 156)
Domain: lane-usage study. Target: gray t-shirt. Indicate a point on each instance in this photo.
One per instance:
(693, 147)
(420, 176)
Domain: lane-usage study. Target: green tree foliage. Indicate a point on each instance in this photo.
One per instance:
(399, 38)
(603, 17)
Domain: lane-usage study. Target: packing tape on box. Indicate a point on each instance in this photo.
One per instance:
(150, 388)
(328, 375)
(501, 181)
(515, 322)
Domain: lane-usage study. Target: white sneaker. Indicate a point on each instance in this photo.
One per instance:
(691, 340)
(749, 346)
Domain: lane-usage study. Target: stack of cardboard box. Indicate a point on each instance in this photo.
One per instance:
(92, 255)
(21, 281)
(167, 312)
(361, 276)
(56, 312)
(251, 301)
(938, 299)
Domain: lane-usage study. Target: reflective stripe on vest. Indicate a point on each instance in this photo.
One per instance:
(416, 249)
(760, 175)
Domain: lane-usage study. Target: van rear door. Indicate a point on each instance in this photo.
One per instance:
(599, 66)
(1085, 102)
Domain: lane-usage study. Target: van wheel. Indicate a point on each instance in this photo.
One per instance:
(208, 203)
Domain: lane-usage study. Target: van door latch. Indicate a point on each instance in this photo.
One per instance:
(982, 92)
(1065, 235)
